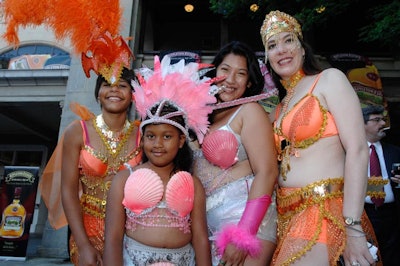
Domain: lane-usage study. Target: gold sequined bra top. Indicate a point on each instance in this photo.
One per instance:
(301, 126)
(94, 164)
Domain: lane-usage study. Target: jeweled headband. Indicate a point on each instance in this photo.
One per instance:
(276, 22)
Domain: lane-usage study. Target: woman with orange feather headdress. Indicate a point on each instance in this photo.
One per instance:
(83, 168)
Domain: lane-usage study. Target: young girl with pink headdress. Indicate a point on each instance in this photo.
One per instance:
(156, 211)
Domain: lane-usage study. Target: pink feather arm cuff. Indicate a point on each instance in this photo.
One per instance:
(243, 235)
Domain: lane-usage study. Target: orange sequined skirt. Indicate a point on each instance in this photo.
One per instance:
(94, 223)
(310, 215)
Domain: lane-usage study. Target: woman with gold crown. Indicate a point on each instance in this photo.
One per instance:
(323, 158)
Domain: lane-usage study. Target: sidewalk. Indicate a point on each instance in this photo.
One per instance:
(33, 258)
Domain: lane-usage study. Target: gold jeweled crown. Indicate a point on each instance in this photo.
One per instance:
(277, 22)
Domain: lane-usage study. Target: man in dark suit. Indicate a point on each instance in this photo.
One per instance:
(385, 218)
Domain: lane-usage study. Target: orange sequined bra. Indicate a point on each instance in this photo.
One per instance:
(301, 126)
(94, 164)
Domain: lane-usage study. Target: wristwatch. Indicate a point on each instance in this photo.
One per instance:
(351, 221)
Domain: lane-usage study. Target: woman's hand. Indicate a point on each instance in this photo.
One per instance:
(233, 256)
(356, 252)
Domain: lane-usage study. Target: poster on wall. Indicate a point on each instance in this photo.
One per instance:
(364, 77)
(17, 203)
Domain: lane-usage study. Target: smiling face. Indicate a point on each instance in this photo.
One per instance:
(161, 143)
(235, 69)
(116, 98)
(285, 54)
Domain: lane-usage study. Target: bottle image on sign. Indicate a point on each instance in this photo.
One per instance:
(13, 219)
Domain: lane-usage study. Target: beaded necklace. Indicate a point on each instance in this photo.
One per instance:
(284, 155)
(113, 140)
(289, 85)
(239, 101)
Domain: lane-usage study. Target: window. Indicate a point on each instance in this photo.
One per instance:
(36, 56)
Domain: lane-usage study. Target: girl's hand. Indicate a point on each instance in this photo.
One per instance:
(89, 256)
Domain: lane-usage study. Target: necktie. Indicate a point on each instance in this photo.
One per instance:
(375, 170)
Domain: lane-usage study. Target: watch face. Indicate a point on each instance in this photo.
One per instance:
(348, 221)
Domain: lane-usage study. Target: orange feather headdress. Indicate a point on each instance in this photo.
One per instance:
(92, 26)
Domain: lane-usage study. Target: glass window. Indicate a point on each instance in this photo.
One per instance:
(35, 57)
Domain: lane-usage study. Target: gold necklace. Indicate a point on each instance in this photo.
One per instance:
(289, 85)
(112, 139)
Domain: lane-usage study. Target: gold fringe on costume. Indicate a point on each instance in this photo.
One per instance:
(93, 206)
(94, 228)
(375, 187)
(309, 215)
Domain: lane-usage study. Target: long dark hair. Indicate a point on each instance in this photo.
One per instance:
(183, 160)
(255, 76)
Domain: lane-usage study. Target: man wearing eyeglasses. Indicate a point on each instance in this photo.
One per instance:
(383, 215)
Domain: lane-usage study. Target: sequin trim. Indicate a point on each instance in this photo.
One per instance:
(325, 197)
(292, 147)
(93, 206)
(311, 194)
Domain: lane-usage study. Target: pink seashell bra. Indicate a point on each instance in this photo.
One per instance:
(144, 203)
(223, 147)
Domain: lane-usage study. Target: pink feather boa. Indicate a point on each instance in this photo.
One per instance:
(239, 237)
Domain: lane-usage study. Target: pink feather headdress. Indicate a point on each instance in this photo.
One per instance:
(178, 85)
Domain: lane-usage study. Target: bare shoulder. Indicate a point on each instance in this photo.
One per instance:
(333, 74)
(73, 133)
(73, 127)
(334, 80)
(253, 108)
(254, 111)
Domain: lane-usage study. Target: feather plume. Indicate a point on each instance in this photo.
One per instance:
(92, 27)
